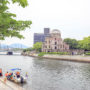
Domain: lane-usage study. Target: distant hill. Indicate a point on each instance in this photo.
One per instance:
(15, 45)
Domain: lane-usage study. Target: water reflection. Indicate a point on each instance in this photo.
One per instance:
(45, 74)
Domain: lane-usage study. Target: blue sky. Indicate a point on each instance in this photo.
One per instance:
(71, 17)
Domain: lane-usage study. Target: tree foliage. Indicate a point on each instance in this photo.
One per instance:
(8, 25)
(85, 43)
(28, 49)
(80, 44)
(37, 46)
(73, 43)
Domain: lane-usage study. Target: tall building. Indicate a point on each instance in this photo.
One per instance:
(54, 43)
(46, 31)
(40, 37)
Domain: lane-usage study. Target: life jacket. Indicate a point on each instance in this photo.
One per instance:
(9, 74)
(6, 74)
(0, 71)
(17, 73)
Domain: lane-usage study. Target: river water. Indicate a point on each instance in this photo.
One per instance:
(45, 74)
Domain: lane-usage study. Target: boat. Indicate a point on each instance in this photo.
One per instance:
(20, 80)
(15, 79)
(9, 53)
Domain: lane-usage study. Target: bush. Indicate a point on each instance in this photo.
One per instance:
(41, 54)
(28, 49)
(87, 53)
(57, 53)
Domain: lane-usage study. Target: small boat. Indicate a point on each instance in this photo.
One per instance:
(13, 77)
(20, 80)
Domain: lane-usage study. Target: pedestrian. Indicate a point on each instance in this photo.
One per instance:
(0, 72)
(26, 74)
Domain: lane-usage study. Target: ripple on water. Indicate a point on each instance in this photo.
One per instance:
(45, 74)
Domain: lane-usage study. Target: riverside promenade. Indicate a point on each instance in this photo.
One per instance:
(9, 85)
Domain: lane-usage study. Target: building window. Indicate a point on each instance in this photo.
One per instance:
(55, 43)
(55, 47)
(49, 46)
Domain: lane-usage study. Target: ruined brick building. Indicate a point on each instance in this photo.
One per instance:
(54, 43)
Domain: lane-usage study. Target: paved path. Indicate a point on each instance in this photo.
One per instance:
(9, 85)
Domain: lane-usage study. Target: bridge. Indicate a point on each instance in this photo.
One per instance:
(14, 51)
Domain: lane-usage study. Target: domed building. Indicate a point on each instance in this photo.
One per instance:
(54, 43)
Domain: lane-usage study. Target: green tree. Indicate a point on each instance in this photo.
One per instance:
(28, 49)
(73, 43)
(10, 27)
(37, 46)
(85, 43)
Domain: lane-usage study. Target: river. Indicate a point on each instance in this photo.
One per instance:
(45, 74)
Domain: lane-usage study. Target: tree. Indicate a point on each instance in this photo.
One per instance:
(73, 43)
(10, 27)
(37, 46)
(85, 43)
(28, 49)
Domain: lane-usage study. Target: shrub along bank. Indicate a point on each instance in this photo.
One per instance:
(57, 53)
(87, 53)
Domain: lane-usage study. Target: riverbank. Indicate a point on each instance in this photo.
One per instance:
(9, 85)
(69, 57)
(79, 58)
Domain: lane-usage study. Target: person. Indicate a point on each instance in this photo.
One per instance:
(22, 79)
(14, 76)
(18, 74)
(6, 76)
(10, 76)
(26, 74)
(0, 72)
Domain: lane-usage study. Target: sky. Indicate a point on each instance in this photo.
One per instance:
(71, 17)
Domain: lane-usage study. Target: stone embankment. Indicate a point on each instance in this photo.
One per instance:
(79, 58)
(69, 57)
(9, 85)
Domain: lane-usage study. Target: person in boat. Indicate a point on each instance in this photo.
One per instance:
(6, 74)
(14, 76)
(0, 72)
(11, 76)
(18, 74)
